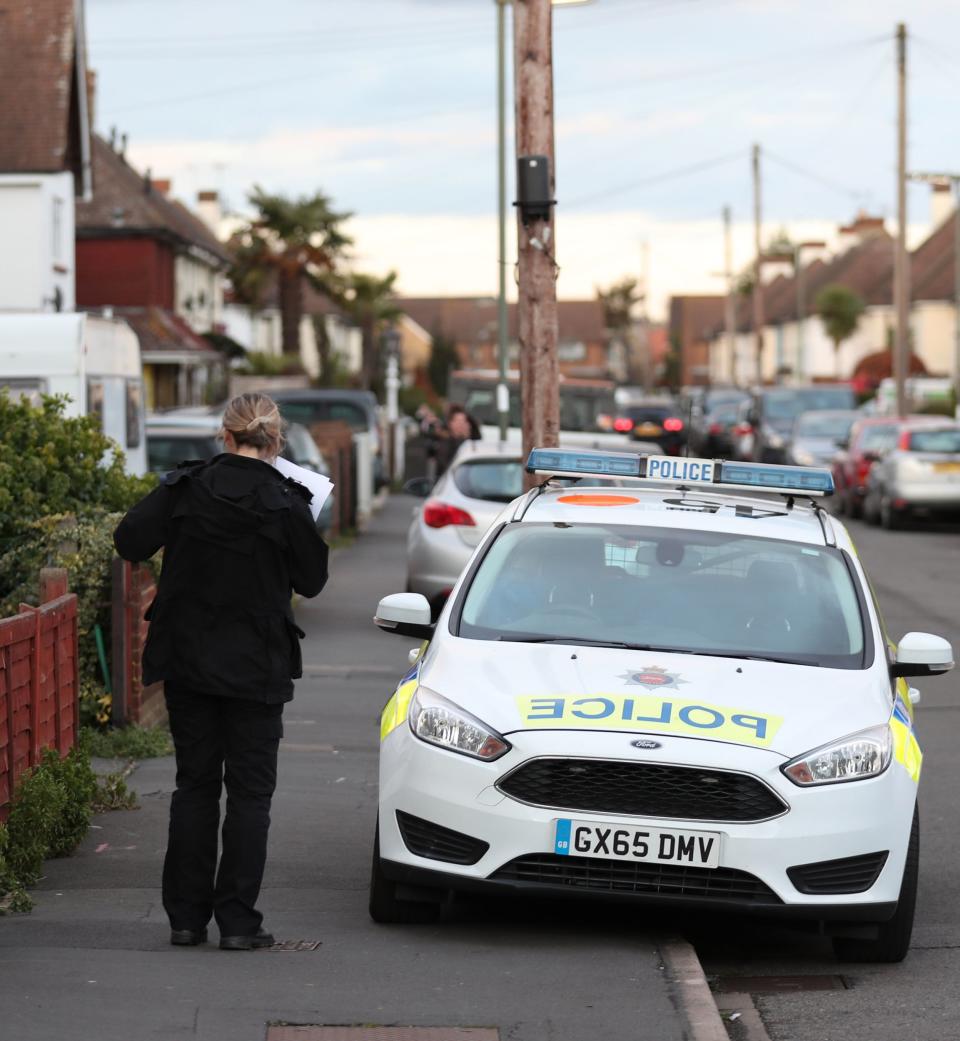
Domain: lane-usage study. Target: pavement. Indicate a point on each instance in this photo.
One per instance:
(93, 961)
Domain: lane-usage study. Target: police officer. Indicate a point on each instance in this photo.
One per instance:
(238, 540)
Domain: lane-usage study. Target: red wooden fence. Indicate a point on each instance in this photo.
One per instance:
(39, 692)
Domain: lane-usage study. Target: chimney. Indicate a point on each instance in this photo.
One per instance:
(861, 228)
(210, 209)
(91, 95)
(941, 202)
(161, 185)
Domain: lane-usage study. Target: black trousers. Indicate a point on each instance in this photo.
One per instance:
(219, 741)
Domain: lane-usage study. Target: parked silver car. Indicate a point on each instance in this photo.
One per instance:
(921, 475)
(816, 436)
(482, 478)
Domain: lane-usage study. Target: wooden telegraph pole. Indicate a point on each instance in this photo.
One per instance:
(901, 262)
(757, 264)
(537, 290)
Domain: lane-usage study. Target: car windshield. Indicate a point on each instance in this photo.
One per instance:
(692, 592)
(649, 413)
(493, 480)
(935, 440)
(789, 403)
(824, 424)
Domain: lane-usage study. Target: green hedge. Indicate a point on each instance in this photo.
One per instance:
(50, 815)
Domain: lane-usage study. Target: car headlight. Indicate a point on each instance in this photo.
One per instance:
(439, 722)
(804, 458)
(853, 758)
(774, 440)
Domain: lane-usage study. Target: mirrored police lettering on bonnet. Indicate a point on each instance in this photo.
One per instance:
(238, 540)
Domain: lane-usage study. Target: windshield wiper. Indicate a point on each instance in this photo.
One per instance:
(581, 640)
(735, 655)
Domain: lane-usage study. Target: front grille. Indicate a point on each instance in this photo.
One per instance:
(847, 875)
(617, 876)
(642, 789)
(431, 840)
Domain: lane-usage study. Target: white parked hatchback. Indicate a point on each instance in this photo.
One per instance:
(676, 690)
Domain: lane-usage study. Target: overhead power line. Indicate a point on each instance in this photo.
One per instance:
(787, 164)
(667, 175)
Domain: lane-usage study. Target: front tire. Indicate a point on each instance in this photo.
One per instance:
(893, 938)
(385, 906)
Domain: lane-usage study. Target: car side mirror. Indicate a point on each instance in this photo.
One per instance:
(421, 487)
(406, 614)
(871, 457)
(922, 654)
(843, 443)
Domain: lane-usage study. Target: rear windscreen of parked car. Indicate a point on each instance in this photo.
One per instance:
(166, 453)
(935, 441)
(308, 412)
(493, 481)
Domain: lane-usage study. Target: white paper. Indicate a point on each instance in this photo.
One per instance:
(319, 486)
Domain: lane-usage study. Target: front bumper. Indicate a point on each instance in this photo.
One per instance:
(821, 824)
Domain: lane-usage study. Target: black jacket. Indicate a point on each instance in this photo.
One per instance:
(238, 539)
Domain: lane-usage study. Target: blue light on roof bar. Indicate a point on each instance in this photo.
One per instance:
(777, 478)
(567, 461)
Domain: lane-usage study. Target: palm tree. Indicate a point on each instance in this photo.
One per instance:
(368, 300)
(839, 309)
(289, 241)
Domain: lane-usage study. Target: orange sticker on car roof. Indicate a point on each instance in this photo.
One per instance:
(598, 500)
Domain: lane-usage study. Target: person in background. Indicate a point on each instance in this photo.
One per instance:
(238, 541)
(459, 426)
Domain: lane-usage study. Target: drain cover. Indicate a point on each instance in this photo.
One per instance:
(321, 1033)
(777, 984)
(296, 945)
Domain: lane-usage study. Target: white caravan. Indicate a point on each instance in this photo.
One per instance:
(93, 360)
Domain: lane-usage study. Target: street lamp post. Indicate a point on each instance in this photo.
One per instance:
(503, 389)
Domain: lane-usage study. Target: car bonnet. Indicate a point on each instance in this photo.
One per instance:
(788, 709)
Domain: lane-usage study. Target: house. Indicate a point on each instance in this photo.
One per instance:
(326, 331)
(145, 257)
(692, 322)
(45, 162)
(471, 322)
(795, 344)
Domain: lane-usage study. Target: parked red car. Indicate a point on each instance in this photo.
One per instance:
(869, 438)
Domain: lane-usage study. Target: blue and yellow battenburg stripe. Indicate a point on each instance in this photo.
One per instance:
(396, 709)
(906, 749)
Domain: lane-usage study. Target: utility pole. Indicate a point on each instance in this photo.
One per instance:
(537, 290)
(953, 179)
(729, 312)
(901, 270)
(503, 387)
(757, 263)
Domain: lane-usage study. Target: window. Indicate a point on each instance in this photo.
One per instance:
(30, 389)
(56, 225)
(935, 440)
(665, 589)
(166, 452)
(491, 480)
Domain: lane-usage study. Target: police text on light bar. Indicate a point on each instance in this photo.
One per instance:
(675, 470)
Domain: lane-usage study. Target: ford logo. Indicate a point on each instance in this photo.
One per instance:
(645, 744)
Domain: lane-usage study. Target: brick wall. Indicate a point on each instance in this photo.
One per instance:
(134, 588)
(39, 692)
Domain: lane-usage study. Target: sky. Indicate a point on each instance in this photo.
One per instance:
(389, 108)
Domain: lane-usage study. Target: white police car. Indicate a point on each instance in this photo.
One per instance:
(673, 688)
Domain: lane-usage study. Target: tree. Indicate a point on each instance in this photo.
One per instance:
(443, 360)
(839, 309)
(618, 303)
(369, 300)
(289, 240)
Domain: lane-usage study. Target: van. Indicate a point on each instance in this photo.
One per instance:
(94, 361)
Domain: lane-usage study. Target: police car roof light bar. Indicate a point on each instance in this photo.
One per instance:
(715, 474)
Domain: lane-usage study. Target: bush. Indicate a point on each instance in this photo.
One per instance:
(49, 817)
(62, 491)
(129, 742)
(258, 363)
